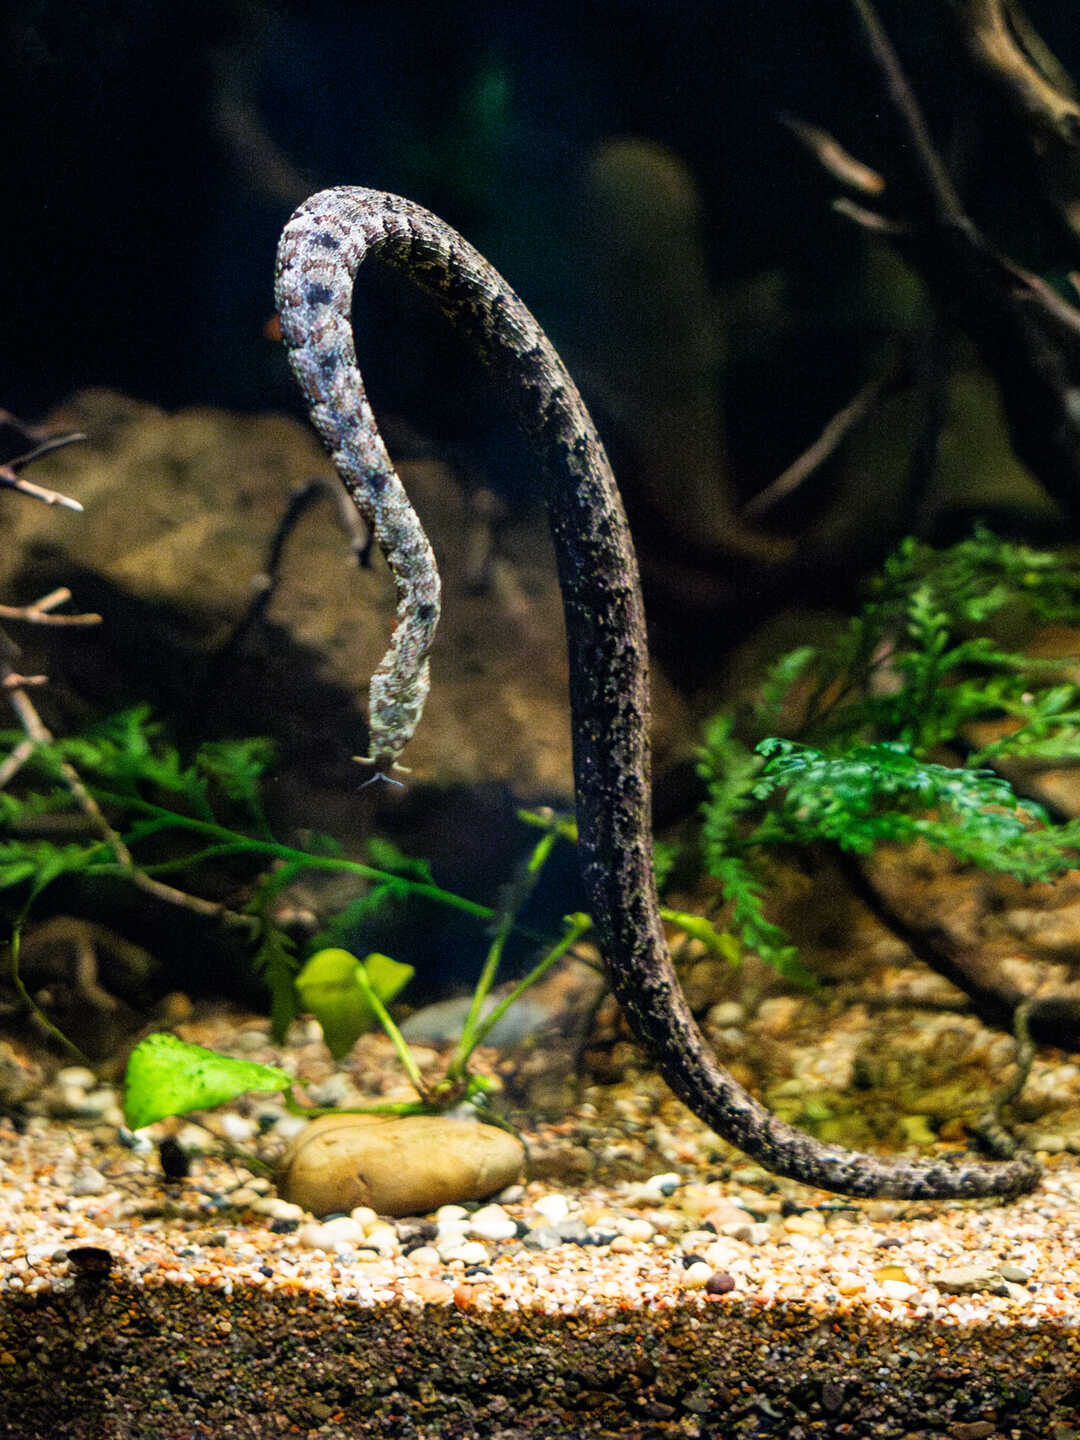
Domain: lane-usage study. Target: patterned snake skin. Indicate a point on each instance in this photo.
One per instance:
(320, 250)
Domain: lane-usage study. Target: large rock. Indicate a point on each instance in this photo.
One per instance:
(398, 1165)
(179, 514)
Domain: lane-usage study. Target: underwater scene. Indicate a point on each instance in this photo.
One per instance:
(540, 651)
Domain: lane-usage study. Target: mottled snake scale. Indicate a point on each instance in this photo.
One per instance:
(320, 250)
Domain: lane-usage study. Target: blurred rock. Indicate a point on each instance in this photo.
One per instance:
(179, 514)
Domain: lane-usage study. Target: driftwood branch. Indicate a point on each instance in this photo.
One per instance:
(1027, 334)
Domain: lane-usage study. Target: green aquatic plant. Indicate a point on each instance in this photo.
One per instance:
(880, 746)
(336, 988)
(188, 817)
(170, 816)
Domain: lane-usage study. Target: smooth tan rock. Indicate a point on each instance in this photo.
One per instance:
(397, 1165)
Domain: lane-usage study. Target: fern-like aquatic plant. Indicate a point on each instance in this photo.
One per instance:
(879, 751)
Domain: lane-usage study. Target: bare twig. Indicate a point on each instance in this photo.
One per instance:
(828, 151)
(36, 492)
(265, 583)
(973, 968)
(871, 220)
(816, 454)
(936, 181)
(9, 471)
(1004, 45)
(40, 612)
(15, 761)
(1027, 334)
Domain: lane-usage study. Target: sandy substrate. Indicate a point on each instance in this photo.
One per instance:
(704, 1300)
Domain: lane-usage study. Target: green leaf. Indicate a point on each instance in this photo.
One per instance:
(329, 988)
(167, 1076)
(41, 862)
(699, 927)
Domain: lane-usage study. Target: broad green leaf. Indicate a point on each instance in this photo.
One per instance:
(328, 987)
(167, 1076)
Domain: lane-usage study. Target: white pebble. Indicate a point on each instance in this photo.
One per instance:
(552, 1207)
(451, 1212)
(898, 1289)
(696, 1276)
(637, 1231)
(491, 1222)
(363, 1215)
(424, 1257)
(382, 1236)
(77, 1076)
(277, 1209)
(237, 1128)
(697, 1239)
(451, 1231)
(288, 1127)
(470, 1253)
(331, 1235)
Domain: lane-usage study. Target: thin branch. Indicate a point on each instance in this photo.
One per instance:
(827, 442)
(9, 470)
(868, 219)
(39, 612)
(934, 177)
(1002, 43)
(36, 492)
(15, 761)
(265, 583)
(828, 152)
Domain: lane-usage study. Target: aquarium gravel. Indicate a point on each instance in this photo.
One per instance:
(207, 1305)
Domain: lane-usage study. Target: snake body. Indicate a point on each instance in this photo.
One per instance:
(318, 256)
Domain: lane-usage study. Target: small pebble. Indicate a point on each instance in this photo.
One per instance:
(553, 1208)
(491, 1222)
(968, 1279)
(451, 1212)
(380, 1236)
(807, 1223)
(1015, 1274)
(898, 1289)
(544, 1237)
(425, 1257)
(637, 1231)
(573, 1232)
(697, 1276)
(330, 1235)
(239, 1129)
(719, 1283)
(469, 1253)
(88, 1181)
(277, 1209)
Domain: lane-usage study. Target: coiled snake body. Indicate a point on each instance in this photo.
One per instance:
(320, 250)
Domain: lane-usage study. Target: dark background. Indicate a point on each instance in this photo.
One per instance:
(143, 198)
(152, 151)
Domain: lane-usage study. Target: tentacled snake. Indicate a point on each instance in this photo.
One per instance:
(320, 251)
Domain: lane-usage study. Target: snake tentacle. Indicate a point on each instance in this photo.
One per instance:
(320, 250)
